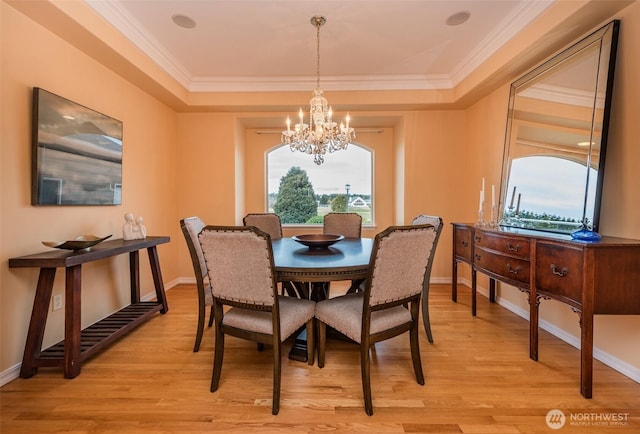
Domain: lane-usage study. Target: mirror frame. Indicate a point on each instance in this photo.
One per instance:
(589, 223)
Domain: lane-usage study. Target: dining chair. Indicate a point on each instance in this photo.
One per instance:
(191, 227)
(272, 224)
(240, 265)
(389, 304)
(437, 223)
(348, 224)
(267, 222)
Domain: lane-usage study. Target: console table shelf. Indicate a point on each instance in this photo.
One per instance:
(78, 345)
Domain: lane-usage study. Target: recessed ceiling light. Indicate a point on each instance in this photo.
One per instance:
(183, 21)
(458, 18)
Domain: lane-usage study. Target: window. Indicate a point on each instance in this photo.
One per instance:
(343, 182)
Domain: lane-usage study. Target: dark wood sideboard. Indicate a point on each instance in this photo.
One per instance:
(593, 278)
(79, 344)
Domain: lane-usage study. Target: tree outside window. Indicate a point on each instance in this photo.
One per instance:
(301, 192)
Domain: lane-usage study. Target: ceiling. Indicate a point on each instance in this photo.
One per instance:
(258, 45)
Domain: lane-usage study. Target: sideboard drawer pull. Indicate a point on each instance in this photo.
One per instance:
(478, 238)
(513, 248)
(478, 257)
(562, 272)
(512, 270)
(464, 243)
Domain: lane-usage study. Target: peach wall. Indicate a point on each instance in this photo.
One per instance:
(32, 56)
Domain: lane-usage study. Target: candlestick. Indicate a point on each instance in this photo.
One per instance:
(513, 196)
(481, 200)
(493, 195)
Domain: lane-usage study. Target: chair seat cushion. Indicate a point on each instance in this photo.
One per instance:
(344, 314)
(294, 313)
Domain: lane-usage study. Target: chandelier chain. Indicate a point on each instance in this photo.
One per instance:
(322, 134)
(318, 25)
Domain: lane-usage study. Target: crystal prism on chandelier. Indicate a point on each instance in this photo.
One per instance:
(322, 134)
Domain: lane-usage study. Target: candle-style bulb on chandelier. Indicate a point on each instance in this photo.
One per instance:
(322, 134)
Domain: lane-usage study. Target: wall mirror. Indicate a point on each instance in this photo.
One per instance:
(556, 139)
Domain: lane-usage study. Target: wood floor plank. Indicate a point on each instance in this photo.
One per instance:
(479, 379)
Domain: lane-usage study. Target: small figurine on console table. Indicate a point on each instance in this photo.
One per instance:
(133, 229)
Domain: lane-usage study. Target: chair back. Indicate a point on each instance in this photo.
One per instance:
(399, 262)
(266, 222)
(437, 223)
(348, 224)
(191, 227)
(239, 260)
(424, 219)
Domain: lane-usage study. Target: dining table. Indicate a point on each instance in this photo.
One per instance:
(307, 271)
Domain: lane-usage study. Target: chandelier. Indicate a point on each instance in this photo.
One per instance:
(322, 134)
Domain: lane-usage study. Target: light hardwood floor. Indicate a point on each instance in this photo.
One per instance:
(479, 379)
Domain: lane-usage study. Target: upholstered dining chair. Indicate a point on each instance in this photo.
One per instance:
(267, 222)
(348, 224)
(191, 227)
(437, 223)
(240, 265)
(390, 302)
(271, 224)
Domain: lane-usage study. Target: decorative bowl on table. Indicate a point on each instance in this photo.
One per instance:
(317, 241)
(80, 243)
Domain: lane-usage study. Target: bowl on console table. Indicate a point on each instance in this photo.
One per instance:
(81, 243)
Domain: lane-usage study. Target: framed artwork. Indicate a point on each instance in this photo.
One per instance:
(76, 153)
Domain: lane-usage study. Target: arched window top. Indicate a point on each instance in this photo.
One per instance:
(345, 176)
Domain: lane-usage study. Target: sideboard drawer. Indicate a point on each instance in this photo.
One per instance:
(462, 246)
(511, 269)
(509, 244)
(559, 271)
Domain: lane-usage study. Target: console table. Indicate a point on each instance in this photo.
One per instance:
(78, 344)
(593, 278)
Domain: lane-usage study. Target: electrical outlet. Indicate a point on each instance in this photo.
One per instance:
(57, 302)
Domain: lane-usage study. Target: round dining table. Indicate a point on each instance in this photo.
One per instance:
(307, 271)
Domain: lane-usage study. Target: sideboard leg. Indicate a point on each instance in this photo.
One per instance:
(473, 291)
(454, 282)
(586, 355)
(534, 303)
(39, 313)
(492, 290)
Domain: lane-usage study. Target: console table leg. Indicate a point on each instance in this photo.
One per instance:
(157, 278)
(134, 276)
(39, 313)
(72, 321)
